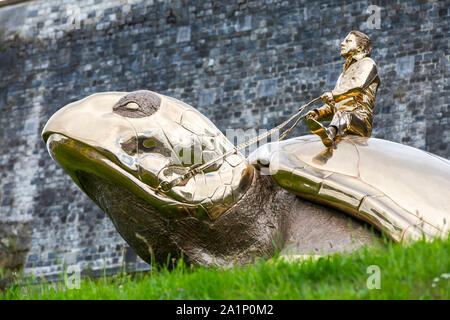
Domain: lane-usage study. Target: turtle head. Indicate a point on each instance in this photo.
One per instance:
(141, 139)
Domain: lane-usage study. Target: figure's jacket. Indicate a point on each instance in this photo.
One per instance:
(355, 89)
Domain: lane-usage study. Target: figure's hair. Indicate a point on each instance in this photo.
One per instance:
(363, 40)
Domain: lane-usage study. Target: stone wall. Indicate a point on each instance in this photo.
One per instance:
(244, 64)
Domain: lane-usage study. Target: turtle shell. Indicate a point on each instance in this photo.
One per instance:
(403, 191)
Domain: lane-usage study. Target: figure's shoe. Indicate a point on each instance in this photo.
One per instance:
(323, 132)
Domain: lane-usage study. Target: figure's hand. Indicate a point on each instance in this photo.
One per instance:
(312, 115)
(327, 97)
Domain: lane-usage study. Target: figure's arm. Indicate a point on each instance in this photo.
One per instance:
(323, 113)
(363, 77)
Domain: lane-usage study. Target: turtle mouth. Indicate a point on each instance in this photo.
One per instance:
(83, 162)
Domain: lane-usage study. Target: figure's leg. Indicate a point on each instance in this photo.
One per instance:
(327, 135)
(343, 122)
(351, 122)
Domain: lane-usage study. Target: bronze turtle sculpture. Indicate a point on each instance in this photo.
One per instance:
(118, 147)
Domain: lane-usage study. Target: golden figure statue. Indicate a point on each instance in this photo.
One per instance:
(350, 105)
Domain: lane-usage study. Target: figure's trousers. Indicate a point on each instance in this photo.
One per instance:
(352, 122)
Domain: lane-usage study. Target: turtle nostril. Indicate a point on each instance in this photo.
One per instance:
(148, 143)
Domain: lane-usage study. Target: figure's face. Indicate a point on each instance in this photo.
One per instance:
(139, 139)
(349, 46)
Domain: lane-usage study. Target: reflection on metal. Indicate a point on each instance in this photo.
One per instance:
(118, 147)
(401, 190)
(350, 105)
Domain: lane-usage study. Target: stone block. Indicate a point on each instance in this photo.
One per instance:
(184, 34)
(267, 88)
(405, 65)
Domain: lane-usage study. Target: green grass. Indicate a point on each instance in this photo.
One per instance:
(419, 271)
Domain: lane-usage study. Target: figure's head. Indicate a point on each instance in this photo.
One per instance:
(356, 42)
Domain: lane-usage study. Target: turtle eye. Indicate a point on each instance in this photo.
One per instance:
(137, 104)
(132, 106)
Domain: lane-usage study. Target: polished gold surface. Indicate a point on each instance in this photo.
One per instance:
(350, 104)
(119, 147)
(143, 138)
(401, 190)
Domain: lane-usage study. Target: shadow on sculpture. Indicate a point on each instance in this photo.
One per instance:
(323, 156)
